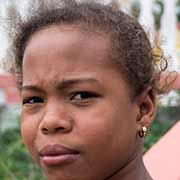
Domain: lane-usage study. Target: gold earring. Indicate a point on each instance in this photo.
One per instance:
(144, 132)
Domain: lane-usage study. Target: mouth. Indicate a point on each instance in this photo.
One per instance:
(57, 155)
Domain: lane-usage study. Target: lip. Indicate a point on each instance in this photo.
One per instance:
(57, 155)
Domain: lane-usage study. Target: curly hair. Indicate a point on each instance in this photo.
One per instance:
(131, 50)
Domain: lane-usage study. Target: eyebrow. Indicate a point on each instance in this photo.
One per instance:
(63, 85)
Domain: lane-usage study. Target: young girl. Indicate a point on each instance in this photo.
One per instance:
(88, 82)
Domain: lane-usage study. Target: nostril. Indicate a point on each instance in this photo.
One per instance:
(60, 129)
(54, 124)
(49, 131)
(45, 130)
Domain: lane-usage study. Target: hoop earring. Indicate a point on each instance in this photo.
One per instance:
(144, 132)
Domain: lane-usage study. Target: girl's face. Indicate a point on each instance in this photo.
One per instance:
(78, 120)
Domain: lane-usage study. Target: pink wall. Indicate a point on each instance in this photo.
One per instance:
(163, 159)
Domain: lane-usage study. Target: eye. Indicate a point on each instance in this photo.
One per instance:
(33, 100)
(83, 95)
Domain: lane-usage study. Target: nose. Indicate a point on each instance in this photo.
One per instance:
(56, 120)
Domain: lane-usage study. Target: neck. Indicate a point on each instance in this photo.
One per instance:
(135, 170)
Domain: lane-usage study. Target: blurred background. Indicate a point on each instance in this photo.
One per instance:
(160, 19)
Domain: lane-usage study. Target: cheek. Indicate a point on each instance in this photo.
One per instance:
(108, 118)
(29, 130)
(108, 139)
(108, 126)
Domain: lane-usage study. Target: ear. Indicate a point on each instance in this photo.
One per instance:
(147, 108)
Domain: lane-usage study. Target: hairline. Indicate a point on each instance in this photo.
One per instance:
(92, 31)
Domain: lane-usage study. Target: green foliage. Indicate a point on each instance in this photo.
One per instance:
(165, 119)
(135, 9)
(158, 129)
(15, 162)
(178, 10)
(158, 11)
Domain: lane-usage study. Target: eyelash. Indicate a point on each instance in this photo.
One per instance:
(36, 98)
(84, 95)
(87, 94)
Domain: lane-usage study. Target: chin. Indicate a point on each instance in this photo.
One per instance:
(59, 174)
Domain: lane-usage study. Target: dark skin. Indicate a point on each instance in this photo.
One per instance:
(75, 97)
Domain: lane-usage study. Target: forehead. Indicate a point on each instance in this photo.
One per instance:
(70, 38)
(69, 48)
(60, 53)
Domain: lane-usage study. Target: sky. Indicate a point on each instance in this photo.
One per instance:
(3, 39)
